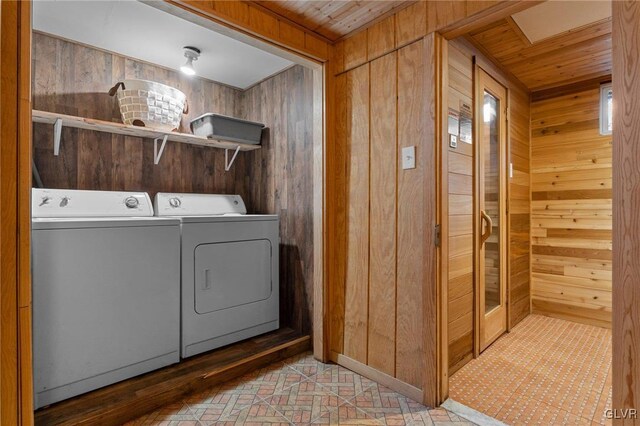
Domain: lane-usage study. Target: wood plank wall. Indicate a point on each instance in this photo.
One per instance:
(519, 205)
(378, 292)
(279, 179)
(356, 62)
(571, 216)
(460, 160)
(73, 79)
(415, 215)
(275, 179)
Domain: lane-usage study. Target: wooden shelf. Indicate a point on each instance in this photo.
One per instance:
(142, 132)
(160, 138)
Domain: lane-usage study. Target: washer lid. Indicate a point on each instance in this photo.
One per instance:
(81, 203)
(176, 204)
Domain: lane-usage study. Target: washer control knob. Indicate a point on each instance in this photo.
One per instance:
(45, 200)
(64, 201)
(131, 202)
(175, 202)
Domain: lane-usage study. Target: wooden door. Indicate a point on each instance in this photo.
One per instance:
(491, 223)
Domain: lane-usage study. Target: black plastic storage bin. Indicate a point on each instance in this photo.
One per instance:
(216, 126)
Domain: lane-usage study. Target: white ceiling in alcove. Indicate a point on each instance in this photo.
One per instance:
(140, 31)
(551, 18)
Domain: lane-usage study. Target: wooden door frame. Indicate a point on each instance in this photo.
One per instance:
(15, 222)
(626, 199)
(440, 388)
(626, 205)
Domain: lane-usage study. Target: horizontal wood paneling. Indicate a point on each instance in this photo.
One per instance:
(460, 199)
(571, 216)
(519, 206)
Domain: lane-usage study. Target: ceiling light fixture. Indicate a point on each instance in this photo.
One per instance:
(192, 54)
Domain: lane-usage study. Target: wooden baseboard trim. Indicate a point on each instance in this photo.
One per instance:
(127, 400)
(378, 376)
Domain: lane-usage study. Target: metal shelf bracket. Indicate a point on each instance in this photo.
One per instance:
(227, 163)
(157, 154)
(57, 134)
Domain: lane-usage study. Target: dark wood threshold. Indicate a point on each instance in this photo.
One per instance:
(126, 400)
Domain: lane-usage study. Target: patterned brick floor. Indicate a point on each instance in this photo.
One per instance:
(299, 391)
(546, 371)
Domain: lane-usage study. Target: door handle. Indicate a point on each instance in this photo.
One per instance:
(208, 280)
(489, 227)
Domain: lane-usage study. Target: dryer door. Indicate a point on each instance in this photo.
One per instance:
(231, 274)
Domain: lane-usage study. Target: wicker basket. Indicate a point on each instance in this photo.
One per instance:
(150, 104)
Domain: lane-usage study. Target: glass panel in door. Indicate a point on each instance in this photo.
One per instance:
(491, 152)
(491, 167)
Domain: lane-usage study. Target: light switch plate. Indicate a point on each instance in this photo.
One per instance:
(453, 141)
(408, 157)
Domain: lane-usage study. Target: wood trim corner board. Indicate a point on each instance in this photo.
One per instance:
(15, 221)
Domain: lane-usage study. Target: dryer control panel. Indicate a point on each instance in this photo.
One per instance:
(177, 204)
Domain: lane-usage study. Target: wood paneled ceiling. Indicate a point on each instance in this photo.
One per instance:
(575, 56)
(333, 19)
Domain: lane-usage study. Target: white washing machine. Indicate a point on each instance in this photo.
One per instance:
(230, 281)
(106, 290)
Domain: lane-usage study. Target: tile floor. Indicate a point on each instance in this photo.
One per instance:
(546, 371)
(299, 391)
